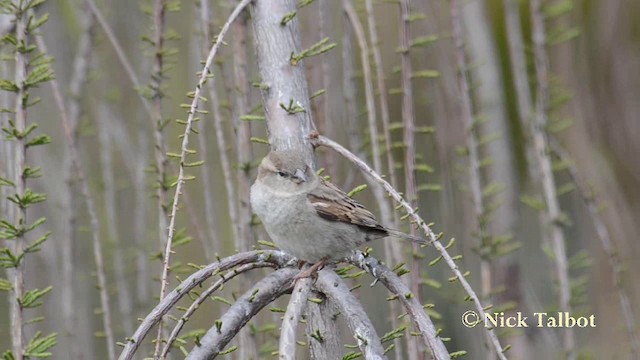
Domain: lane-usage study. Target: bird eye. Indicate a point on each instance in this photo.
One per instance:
(282, 173)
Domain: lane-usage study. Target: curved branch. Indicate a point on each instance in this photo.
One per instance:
(196, 304)
(432, 237)
(277, 258)
(363, 331)
(297, 305)
(413, 306)
(263, 293)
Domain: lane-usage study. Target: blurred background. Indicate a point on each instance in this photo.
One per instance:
(593, 49)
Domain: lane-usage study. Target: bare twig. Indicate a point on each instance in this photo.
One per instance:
(363, 331)
(412, 305)
(277, 258)
(553, 214)
(297, 305)
(263, 293)
(431, 236)
(204, 296)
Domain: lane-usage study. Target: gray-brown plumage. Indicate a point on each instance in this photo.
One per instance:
(308, 217)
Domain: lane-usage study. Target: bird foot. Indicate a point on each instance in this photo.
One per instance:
(311, 272)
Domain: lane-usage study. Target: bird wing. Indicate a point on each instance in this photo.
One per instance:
(333, 204)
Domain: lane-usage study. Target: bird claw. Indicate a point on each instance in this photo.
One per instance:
(311, 272)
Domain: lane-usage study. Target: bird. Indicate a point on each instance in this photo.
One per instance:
(307, 216)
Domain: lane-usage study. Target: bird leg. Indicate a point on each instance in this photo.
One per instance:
(311, 271)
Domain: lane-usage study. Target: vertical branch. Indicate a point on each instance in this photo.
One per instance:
(382, 91)
(472, 130)
(248, 346)
(541, 143)
(76, 84)
(219, 128)
(283, 82)
(519, 70)
(350, 95)
(20, 153)
(140, 216)
(160, 152)
(193, 109)
(243, 135)
(393, 254)
(408, 123)
(91, 210)
(322, 330)
(124, 298)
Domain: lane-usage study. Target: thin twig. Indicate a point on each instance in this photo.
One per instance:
(277, 258)
(260, 295)
(555, 233)
(431, 236)
(295, 308)
(204, 296)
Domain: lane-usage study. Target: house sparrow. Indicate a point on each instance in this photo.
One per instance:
(309, 217)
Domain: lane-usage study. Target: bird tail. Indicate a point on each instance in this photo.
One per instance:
(412, 238)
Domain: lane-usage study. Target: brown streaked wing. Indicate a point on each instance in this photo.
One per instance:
(333, 204)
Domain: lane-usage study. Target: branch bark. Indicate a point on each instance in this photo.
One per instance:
(363, 331)
(263, 293)
(282, 82)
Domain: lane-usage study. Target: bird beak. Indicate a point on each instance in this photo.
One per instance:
(299, 174)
